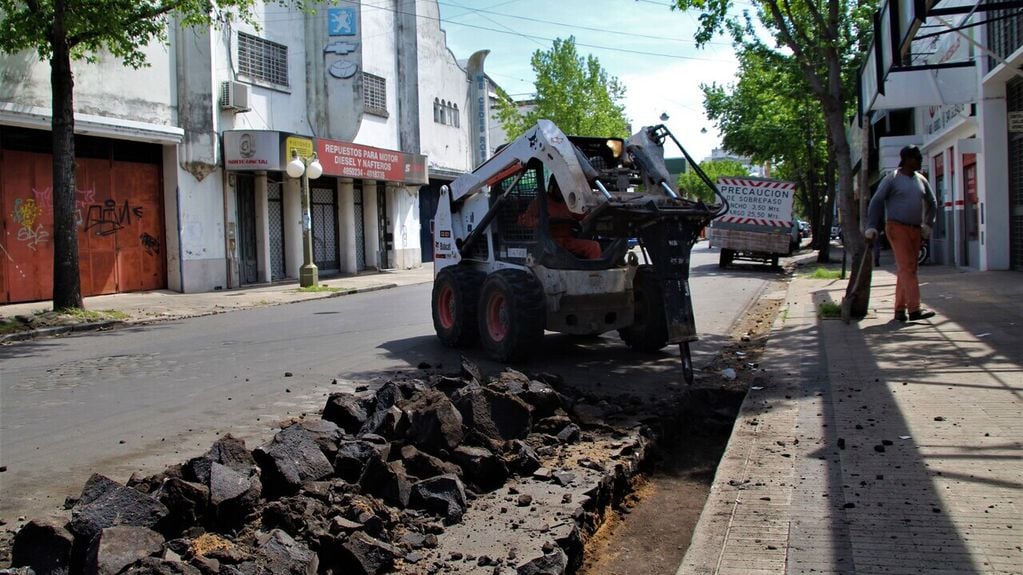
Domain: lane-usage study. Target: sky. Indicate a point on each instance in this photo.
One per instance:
(643, 43)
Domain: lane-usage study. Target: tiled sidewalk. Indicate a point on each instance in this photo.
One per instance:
(878, 447)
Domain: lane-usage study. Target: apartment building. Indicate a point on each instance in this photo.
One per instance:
(181, 170)
(945, 75)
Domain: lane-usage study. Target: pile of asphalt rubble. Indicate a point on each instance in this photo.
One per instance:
(438, 474)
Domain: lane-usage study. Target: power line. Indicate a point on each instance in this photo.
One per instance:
(482, 14)
(564, 24)
(522, 35)
(469, 10)
(587, 45)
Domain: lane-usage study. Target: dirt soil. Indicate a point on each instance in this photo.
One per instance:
(650, 533)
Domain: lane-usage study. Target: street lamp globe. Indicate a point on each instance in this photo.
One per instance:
(295, 167)
(314, 169)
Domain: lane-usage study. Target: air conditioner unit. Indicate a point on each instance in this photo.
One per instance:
(234, 96)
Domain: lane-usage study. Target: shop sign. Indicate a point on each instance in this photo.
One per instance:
(368, 163)
(946, 48)
(938, 117)
(252, 150)
(304, 147)
(1015, 122)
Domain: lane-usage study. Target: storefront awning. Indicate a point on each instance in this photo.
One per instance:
(91, 125)
(918, 57)
(913, 87)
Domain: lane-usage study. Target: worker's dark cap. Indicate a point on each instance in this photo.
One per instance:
(910, 152)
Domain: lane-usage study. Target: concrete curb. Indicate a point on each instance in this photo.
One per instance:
(56, 331)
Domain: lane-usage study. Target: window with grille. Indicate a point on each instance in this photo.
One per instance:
(374, 94)
(264, 60)
(1005, 34)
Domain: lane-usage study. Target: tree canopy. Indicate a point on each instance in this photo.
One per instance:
(574, 92)
(692, 186)
(770, 116)
(118, 27)
(824, 40)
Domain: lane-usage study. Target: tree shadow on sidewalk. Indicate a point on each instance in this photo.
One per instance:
(902, 464)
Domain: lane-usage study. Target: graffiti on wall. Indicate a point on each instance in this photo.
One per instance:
(101, 218)
(151, 244)
(109, 218)
(83, 199)
(26, 216)
(113, 210)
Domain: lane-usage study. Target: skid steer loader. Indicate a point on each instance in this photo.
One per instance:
(502, 276)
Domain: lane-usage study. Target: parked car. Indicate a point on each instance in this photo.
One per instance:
(795, 238)
(836, 232)
(804, 229)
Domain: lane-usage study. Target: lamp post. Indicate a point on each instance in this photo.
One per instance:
(307, 169)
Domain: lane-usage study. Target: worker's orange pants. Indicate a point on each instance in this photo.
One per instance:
(585, 249)
(905, 241)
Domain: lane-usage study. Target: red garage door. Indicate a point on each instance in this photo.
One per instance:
(120, 226)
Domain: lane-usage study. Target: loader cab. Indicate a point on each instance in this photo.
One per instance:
(607, 158)
(524, 226)
(601, 153)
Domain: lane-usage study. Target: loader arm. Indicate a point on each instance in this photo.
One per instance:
(544, 142)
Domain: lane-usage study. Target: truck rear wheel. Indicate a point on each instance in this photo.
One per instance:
(649, 329)
(456, 292)
(512, 314)
(726, 258)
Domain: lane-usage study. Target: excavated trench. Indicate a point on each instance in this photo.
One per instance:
(650, 531)
(432, 473)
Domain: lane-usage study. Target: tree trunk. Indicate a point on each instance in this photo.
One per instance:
(67, 284)
(827, 207)
(852, 235)
(829, 212)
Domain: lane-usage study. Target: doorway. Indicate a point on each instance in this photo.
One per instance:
(360, 227)
(429, 197)
(275, 217)
(384, 226)
(323, 208)
(248, 253)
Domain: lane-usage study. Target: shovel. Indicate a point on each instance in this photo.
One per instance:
(857, 294)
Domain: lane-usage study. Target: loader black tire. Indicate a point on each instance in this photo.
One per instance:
(649, 329)
(512, 314)
(726, 258)
(456, 294)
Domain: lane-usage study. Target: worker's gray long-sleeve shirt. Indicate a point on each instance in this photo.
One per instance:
(902, 198)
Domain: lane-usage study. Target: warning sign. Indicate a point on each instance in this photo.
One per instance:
(756, 201)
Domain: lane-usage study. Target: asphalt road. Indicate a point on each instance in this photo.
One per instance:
(140, 399)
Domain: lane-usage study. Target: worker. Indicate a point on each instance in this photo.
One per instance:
(561, 220)
(904, 197)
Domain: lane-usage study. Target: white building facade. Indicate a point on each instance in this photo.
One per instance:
(181, 169)
(953, 87)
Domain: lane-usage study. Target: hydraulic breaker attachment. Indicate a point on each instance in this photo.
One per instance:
(669, 241)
